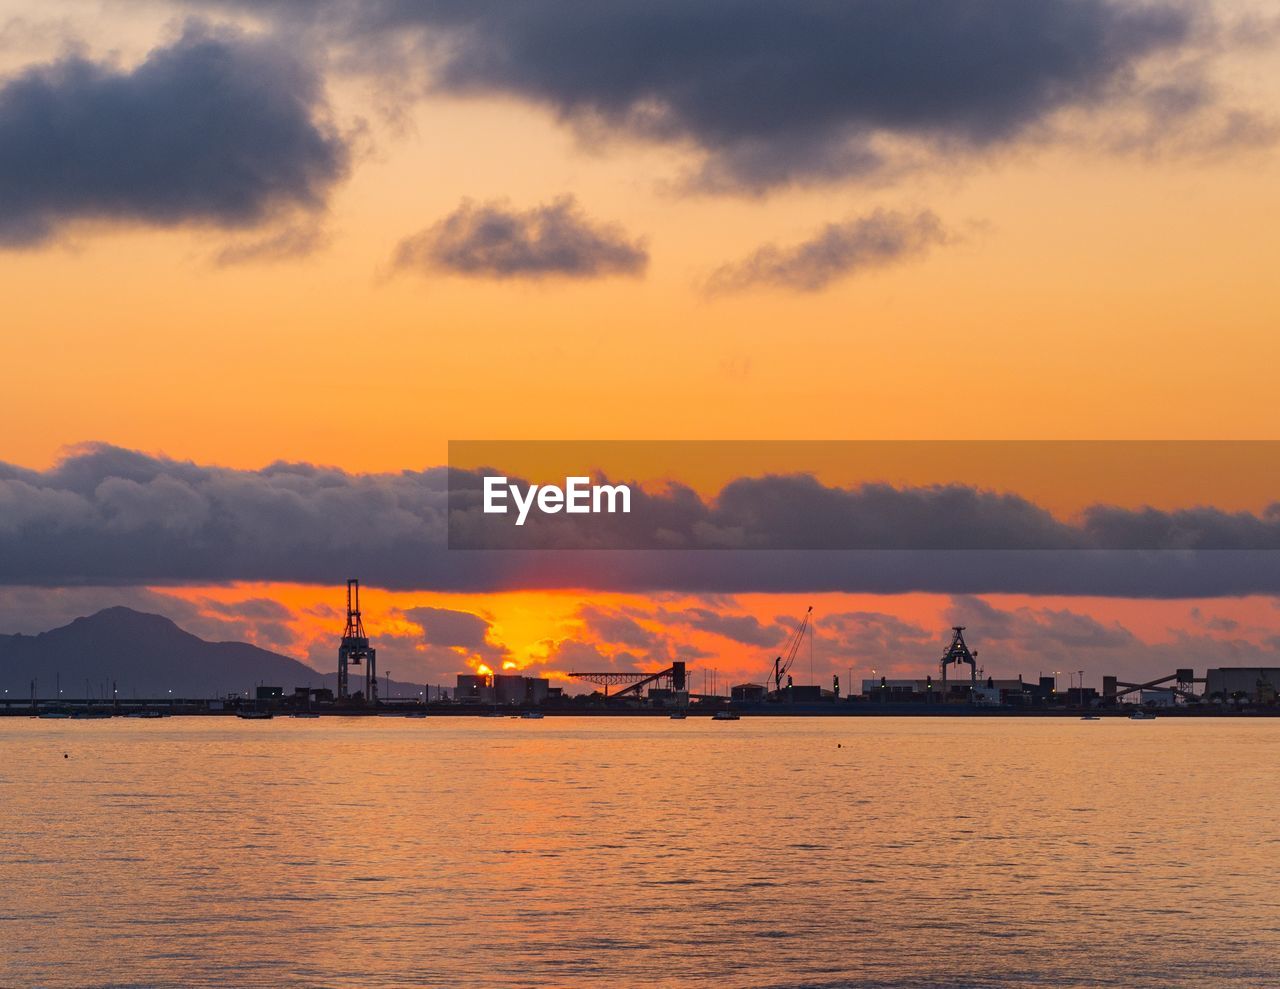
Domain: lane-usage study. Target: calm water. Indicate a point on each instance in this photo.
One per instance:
(576, 852)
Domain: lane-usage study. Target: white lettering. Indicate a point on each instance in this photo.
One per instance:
(576, 500)
(523, 505)
(578, 497)
(495, 489)
(612, 491)
(550, 498)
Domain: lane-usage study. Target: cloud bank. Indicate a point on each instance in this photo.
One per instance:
(773, 93)
(111, 516)
(218, 128)
(493, 240)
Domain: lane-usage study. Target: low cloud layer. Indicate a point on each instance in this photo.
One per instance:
(775, 93)
(218, 128)
(494, 240)
(108, 515)
(837, 251)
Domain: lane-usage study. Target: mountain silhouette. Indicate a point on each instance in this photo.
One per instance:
(146, 656)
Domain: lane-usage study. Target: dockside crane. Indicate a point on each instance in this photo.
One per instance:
(958, 653)
(354, 649)
(782, 665)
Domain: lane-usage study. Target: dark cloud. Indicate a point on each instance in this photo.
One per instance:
(745, 629)
(217, 128)
(575, 656)
(259, 609)
(873, 633)
(1047, 626)
(451, 640)
(617, 636)
(106, 515)
(793, 511)
(837, 251)
(493, 240)
(773, 93)
(618, 628)
(455, 630)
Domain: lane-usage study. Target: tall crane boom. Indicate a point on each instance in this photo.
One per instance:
(956, 654)
(354, 650)
(783, 663)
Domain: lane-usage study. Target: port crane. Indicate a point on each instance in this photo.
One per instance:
(783, 664)
(354, 649)
(958, 653)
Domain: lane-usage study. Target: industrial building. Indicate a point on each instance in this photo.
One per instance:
(501, 688)
(1255, 684)
(1225, 685)
(666, 687)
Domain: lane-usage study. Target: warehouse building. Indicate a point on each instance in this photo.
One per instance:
(502, 688)
(1256, 684)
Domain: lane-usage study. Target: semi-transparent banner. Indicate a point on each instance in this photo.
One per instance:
(865, 495)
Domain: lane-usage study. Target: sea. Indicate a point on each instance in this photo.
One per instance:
(766, 852)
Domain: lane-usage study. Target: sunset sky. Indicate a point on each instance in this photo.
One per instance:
(343, 234)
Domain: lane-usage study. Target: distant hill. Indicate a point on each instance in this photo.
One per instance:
(147, 656)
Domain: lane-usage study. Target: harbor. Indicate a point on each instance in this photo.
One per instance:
(959, 688)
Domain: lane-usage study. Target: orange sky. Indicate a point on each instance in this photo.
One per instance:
(1091, 295)
(1085, 294)
(529, 626)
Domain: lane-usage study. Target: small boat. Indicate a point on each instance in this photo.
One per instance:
(531, 716)
(1142, 716)
(1089, 717)
(255, 715)
(726, 716)
(53, 715)
(145, 714)
(678, 715)
(415, 714)
(304, 714)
